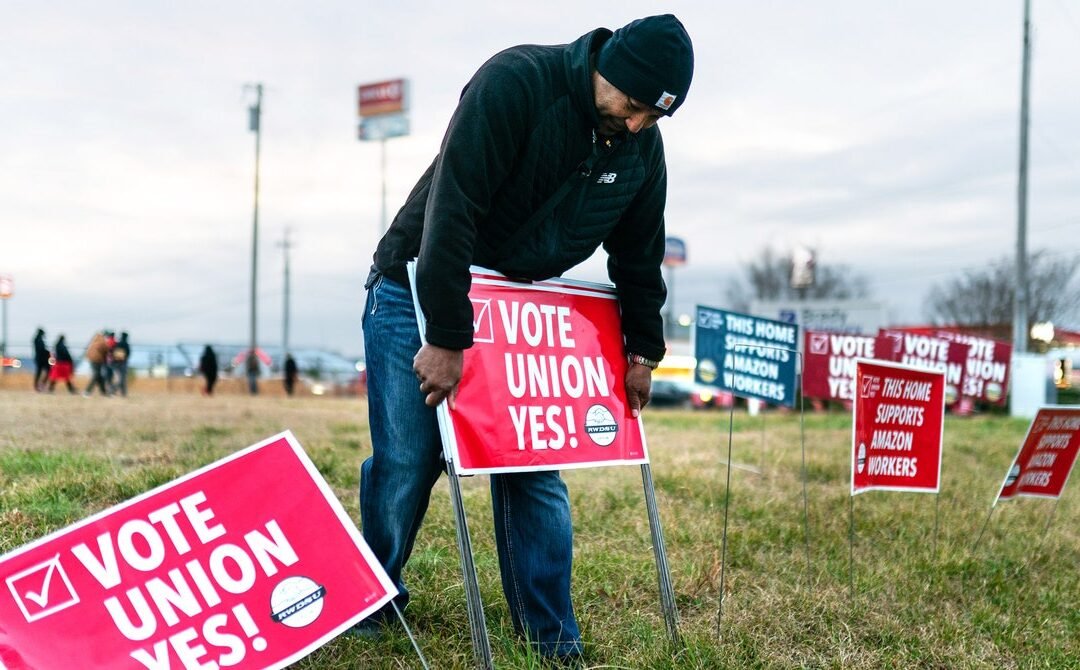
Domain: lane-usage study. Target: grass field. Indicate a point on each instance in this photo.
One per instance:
(916, 604)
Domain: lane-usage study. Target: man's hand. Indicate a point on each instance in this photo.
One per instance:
(638, 387)
(439, 371)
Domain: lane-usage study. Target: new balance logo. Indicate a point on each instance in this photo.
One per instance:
(606, 178)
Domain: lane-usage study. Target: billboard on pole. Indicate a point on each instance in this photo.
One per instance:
(674, 252)
(383, 97)
(382, 108)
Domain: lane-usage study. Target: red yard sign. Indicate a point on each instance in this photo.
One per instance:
(829, 363)
(250, 562)
(1046, 456)
(986, 376)
(927, 351)
(897, 428)
(543, 384)
(986, 373)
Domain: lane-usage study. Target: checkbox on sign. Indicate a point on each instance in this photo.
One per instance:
(42, 590)
(483, 328)
(819, 344)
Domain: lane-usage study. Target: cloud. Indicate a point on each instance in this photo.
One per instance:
(885, 139)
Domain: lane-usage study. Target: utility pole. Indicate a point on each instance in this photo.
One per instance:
(382, 106)
(1020, 302)
(382, 218)
(255, 125)
(286, 245)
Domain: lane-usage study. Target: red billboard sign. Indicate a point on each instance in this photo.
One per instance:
(829, 363)
(899, 416)
(250, 562)
(674, 252)
(543, 384)
(1046, 456)
(383, 97)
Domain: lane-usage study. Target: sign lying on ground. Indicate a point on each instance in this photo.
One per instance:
(750, 356)
(829, 363)
(543, 386)
(1046, 457)
(250, 562)
(897, 428)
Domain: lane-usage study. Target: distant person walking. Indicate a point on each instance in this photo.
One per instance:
(121, 351)
(63, 368)
(208, 369)
(252, 366)
(96, 353)
(291, 372)
(41, 361)
(107, 369)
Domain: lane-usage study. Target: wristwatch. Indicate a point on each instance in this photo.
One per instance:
(641, 360)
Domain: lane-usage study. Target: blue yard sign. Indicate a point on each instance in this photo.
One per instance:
(750, 356)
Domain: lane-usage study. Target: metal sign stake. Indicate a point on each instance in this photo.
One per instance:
(667, 592)
(408, 631)
(802, 444)
(727, 503)
(473, 603)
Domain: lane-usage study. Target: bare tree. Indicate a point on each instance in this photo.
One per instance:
(985, 297)
(768, 277)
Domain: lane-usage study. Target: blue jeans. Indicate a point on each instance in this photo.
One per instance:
(533, 530)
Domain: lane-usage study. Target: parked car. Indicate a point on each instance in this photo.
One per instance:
(669, 393)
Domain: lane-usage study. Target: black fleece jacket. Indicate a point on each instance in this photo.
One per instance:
(524, 126)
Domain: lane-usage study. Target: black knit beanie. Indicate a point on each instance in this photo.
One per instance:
(651, 60)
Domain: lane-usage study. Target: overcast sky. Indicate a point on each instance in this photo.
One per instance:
(885, 135)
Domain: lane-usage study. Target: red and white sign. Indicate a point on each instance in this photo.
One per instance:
(986, 374)
(829, 363)
(927, 351)
(1046, 457)
(543, 386)
(383, 97)
(899, 416)
(250, 562)
(7, 287)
